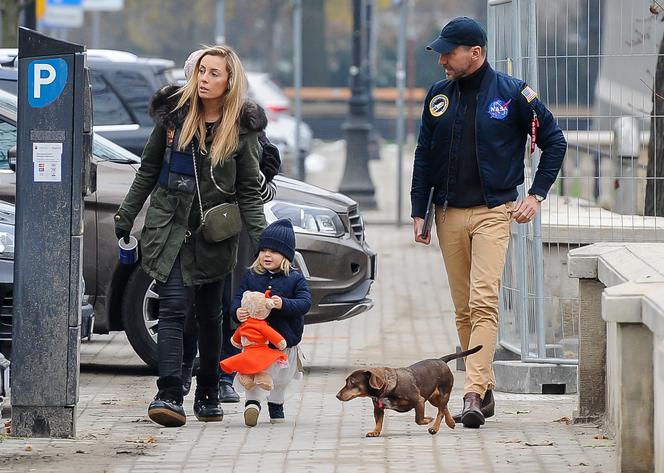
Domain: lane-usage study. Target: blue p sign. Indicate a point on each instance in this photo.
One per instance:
(46, 81)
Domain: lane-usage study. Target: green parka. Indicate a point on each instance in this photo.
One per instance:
(173, 215)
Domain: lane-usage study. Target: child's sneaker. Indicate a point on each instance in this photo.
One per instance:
(276, 413)
(251, 411)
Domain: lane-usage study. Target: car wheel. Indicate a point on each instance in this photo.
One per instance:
(140, 308)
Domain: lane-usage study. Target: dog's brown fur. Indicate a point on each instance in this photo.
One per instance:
(403, 389)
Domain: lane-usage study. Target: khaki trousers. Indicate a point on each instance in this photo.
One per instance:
(474, 243)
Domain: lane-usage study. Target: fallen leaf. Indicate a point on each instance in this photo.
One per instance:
(28, 448)
(143, 419)
(510, 441)
(545, 443)
(151, 439)
(564, 420)
(601, 437)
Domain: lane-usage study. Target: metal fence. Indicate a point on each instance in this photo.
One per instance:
(594, 63)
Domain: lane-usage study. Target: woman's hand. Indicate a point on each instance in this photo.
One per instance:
(278, 302)
(242, 314)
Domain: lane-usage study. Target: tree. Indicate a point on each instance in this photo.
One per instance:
(10, 11)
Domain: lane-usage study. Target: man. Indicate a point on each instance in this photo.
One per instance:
(470, 150)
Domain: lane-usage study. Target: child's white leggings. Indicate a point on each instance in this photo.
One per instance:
(281, 378)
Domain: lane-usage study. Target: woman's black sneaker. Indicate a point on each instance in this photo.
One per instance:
(206, 404)
(166, 408)
(276, 413)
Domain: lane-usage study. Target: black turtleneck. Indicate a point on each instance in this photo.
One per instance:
(467, 191)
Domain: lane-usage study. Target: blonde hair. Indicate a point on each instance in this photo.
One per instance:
(227, 134)
(256, 267)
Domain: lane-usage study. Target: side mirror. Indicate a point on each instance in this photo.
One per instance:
(11, 158)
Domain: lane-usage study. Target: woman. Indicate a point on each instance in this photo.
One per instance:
(269, 164)
(203, 150)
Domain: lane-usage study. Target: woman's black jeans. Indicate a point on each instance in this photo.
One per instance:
(175, 302)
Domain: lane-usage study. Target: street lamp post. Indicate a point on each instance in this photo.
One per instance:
(369, 74)
(356, 181)
(220, 23)
(297, 85)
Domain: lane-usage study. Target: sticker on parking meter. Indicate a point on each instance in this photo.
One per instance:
(47, 162)
(46, 81)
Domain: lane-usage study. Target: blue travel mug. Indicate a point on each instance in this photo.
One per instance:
(128, 251)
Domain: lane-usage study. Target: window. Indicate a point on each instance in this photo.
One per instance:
(107, 108)
(7, 141)
(136, 92)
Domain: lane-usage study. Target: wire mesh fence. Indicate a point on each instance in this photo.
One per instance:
(596, 64)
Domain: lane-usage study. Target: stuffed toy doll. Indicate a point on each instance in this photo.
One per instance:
(253, 336)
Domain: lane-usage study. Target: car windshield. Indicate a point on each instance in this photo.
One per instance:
(101, 148)
(109, 151)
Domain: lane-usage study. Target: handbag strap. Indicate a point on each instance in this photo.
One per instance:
(198, 189)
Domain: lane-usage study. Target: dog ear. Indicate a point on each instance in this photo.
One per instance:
(376, 378)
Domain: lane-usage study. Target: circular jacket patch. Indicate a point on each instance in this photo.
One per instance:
(438, 105)
(499, 109)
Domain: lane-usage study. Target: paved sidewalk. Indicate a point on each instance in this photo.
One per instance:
(412, 320)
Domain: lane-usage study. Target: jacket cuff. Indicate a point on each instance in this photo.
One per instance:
(123, 220)
(538, 189)
(418, 211)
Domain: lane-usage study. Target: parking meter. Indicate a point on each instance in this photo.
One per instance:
(53, 172)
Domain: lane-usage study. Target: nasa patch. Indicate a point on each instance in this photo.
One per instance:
(499, 109)
(438, 105)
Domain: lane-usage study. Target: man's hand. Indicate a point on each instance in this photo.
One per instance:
(418, 223)
(526, 209)
(242, 314)
(278, 302)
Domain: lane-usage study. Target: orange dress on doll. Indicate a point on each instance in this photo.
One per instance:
(258, 356)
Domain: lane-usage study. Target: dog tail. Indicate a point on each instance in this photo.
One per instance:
(461, 354)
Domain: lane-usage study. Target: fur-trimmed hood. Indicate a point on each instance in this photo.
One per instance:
(163, 103)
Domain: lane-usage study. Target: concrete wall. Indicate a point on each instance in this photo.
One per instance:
(632, 306)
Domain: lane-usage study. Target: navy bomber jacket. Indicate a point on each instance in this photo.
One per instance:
(505, 107)
(295, 295)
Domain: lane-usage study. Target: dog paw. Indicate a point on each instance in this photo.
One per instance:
(433, 431)
(373, 433)
(424, 420)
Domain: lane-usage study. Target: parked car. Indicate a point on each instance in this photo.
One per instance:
(122, 84)
(331, 249)
(7, 227)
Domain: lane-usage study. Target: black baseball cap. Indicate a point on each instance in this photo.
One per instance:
(460, 31)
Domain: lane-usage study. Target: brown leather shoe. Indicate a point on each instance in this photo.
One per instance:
(472, 416)
(487, 407)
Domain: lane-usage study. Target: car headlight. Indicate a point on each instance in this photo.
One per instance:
(6, 242)
(306, 219)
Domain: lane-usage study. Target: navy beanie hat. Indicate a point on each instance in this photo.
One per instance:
(280, 237)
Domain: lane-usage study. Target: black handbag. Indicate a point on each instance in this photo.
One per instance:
(220, 222)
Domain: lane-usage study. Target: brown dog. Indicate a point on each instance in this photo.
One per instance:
(403, 389)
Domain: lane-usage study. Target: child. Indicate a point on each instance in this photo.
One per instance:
(272, 271)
